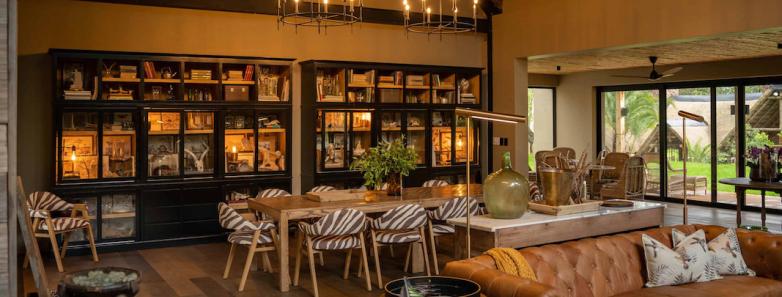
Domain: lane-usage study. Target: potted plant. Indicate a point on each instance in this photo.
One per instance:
(762, 163)
(387, 162)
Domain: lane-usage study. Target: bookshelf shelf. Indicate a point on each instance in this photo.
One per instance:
(163, 80)
(238, 82)
(120, 80)
(202, 81)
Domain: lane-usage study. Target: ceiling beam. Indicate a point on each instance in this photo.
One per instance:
(269, 7)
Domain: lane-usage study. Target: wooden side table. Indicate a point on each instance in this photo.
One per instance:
(743, 184)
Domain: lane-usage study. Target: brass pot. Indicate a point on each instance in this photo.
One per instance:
(557, 186)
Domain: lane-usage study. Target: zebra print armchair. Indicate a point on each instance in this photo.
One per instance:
(258, 237)
(41, 206)
(435, 183)
(455, 208)
(403, 224)
(339, 230)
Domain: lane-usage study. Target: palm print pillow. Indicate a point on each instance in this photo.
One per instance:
(689, 262)
(725, 251)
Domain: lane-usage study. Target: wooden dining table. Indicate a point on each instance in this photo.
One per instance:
(285, 209)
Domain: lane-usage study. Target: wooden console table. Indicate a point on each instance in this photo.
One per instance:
(743, 184)
(284, 209)
(536, 229)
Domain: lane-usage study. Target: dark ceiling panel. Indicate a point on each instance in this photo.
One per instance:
(371, 15)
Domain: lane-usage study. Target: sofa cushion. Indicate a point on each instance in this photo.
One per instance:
(690, 261)
(725, 252)
(729, 286)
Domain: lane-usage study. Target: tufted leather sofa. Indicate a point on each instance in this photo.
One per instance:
(614, 266)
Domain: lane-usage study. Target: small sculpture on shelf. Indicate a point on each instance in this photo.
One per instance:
(358, 150)
(270, 159)
(198, 161)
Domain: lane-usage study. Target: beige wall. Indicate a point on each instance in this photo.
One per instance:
(576, 92)
(531, 28)
(46, 24)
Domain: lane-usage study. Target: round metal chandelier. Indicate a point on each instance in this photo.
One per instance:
(319, 13)
(443, 23)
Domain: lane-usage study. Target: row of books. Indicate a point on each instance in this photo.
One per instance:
(395, 79)
(365, 78)
(437, 82)
(80, 94)
(246, 75)
(149, 70)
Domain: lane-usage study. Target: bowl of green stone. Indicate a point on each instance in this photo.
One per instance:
(100, 282)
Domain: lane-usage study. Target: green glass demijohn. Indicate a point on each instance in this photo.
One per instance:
(506, 192)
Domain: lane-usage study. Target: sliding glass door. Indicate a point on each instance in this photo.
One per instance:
(541, 109)
(631, 121)
(698, 141)
(739, 114)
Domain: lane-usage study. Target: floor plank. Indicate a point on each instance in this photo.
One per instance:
(196, 270)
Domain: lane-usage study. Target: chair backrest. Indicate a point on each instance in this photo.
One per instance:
(403, 217)
(230, 219)
(616, 160)
(566, 152)
(47, 201)
(322, 188)
(635, 177)
(346, 221)
(272, 192)
(435, 183)
(454, 208)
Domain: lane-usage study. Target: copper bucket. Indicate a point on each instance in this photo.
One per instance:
(557, 186)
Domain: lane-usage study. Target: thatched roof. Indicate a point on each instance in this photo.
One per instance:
(652, 143)
(764, 115)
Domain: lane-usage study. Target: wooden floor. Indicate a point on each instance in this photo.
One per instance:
(196, 270)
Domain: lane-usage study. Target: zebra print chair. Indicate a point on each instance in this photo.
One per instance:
(322, 188)
(454, 208)
(41, 205)
(435, 183)
(339, 230)
(269, 193)
(258, 237)
(401, 225)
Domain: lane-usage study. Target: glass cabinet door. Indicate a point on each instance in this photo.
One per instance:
(390, 126)
(416, 134)
(239, 142)
(163, 143)
(118, 216)
(272, 145)
(119, 145)
(199, 143)
(361, 136)
(79, 146)
(331, 145)
(441, 138)
(461, 140)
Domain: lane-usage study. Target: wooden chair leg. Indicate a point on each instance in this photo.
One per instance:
(249, 261)
(377, 261)
(311, 258)
(64, 248)
(55, 249)
(298, 251)
(423, 250)
(91, 239)
(364, 262)
(322, 263)
(267, 262)
(407, 257)
(229, 261)
(347, 264)
(391, 250)
(433, 248)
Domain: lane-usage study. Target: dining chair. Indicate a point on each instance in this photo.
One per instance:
(322, 188)
(339, 230)
(41, 205)
(258, 237)
(403, 224)
(631, 183)
(435, 183)
(269, 193)
(454, 208)
(566, 152)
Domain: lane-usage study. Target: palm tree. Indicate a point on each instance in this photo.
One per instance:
(642, 113)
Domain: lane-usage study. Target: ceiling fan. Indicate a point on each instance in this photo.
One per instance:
(654, 75)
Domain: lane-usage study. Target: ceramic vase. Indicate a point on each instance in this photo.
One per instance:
(506, 192)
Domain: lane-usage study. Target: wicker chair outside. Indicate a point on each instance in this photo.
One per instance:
(631, 183)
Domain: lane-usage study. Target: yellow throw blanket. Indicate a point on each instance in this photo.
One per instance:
(510, 261)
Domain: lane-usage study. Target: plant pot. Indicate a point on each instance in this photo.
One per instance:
(506, 192)
(394, 185)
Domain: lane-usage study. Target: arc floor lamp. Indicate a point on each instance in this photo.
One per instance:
(697, 118)
(471, 114)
